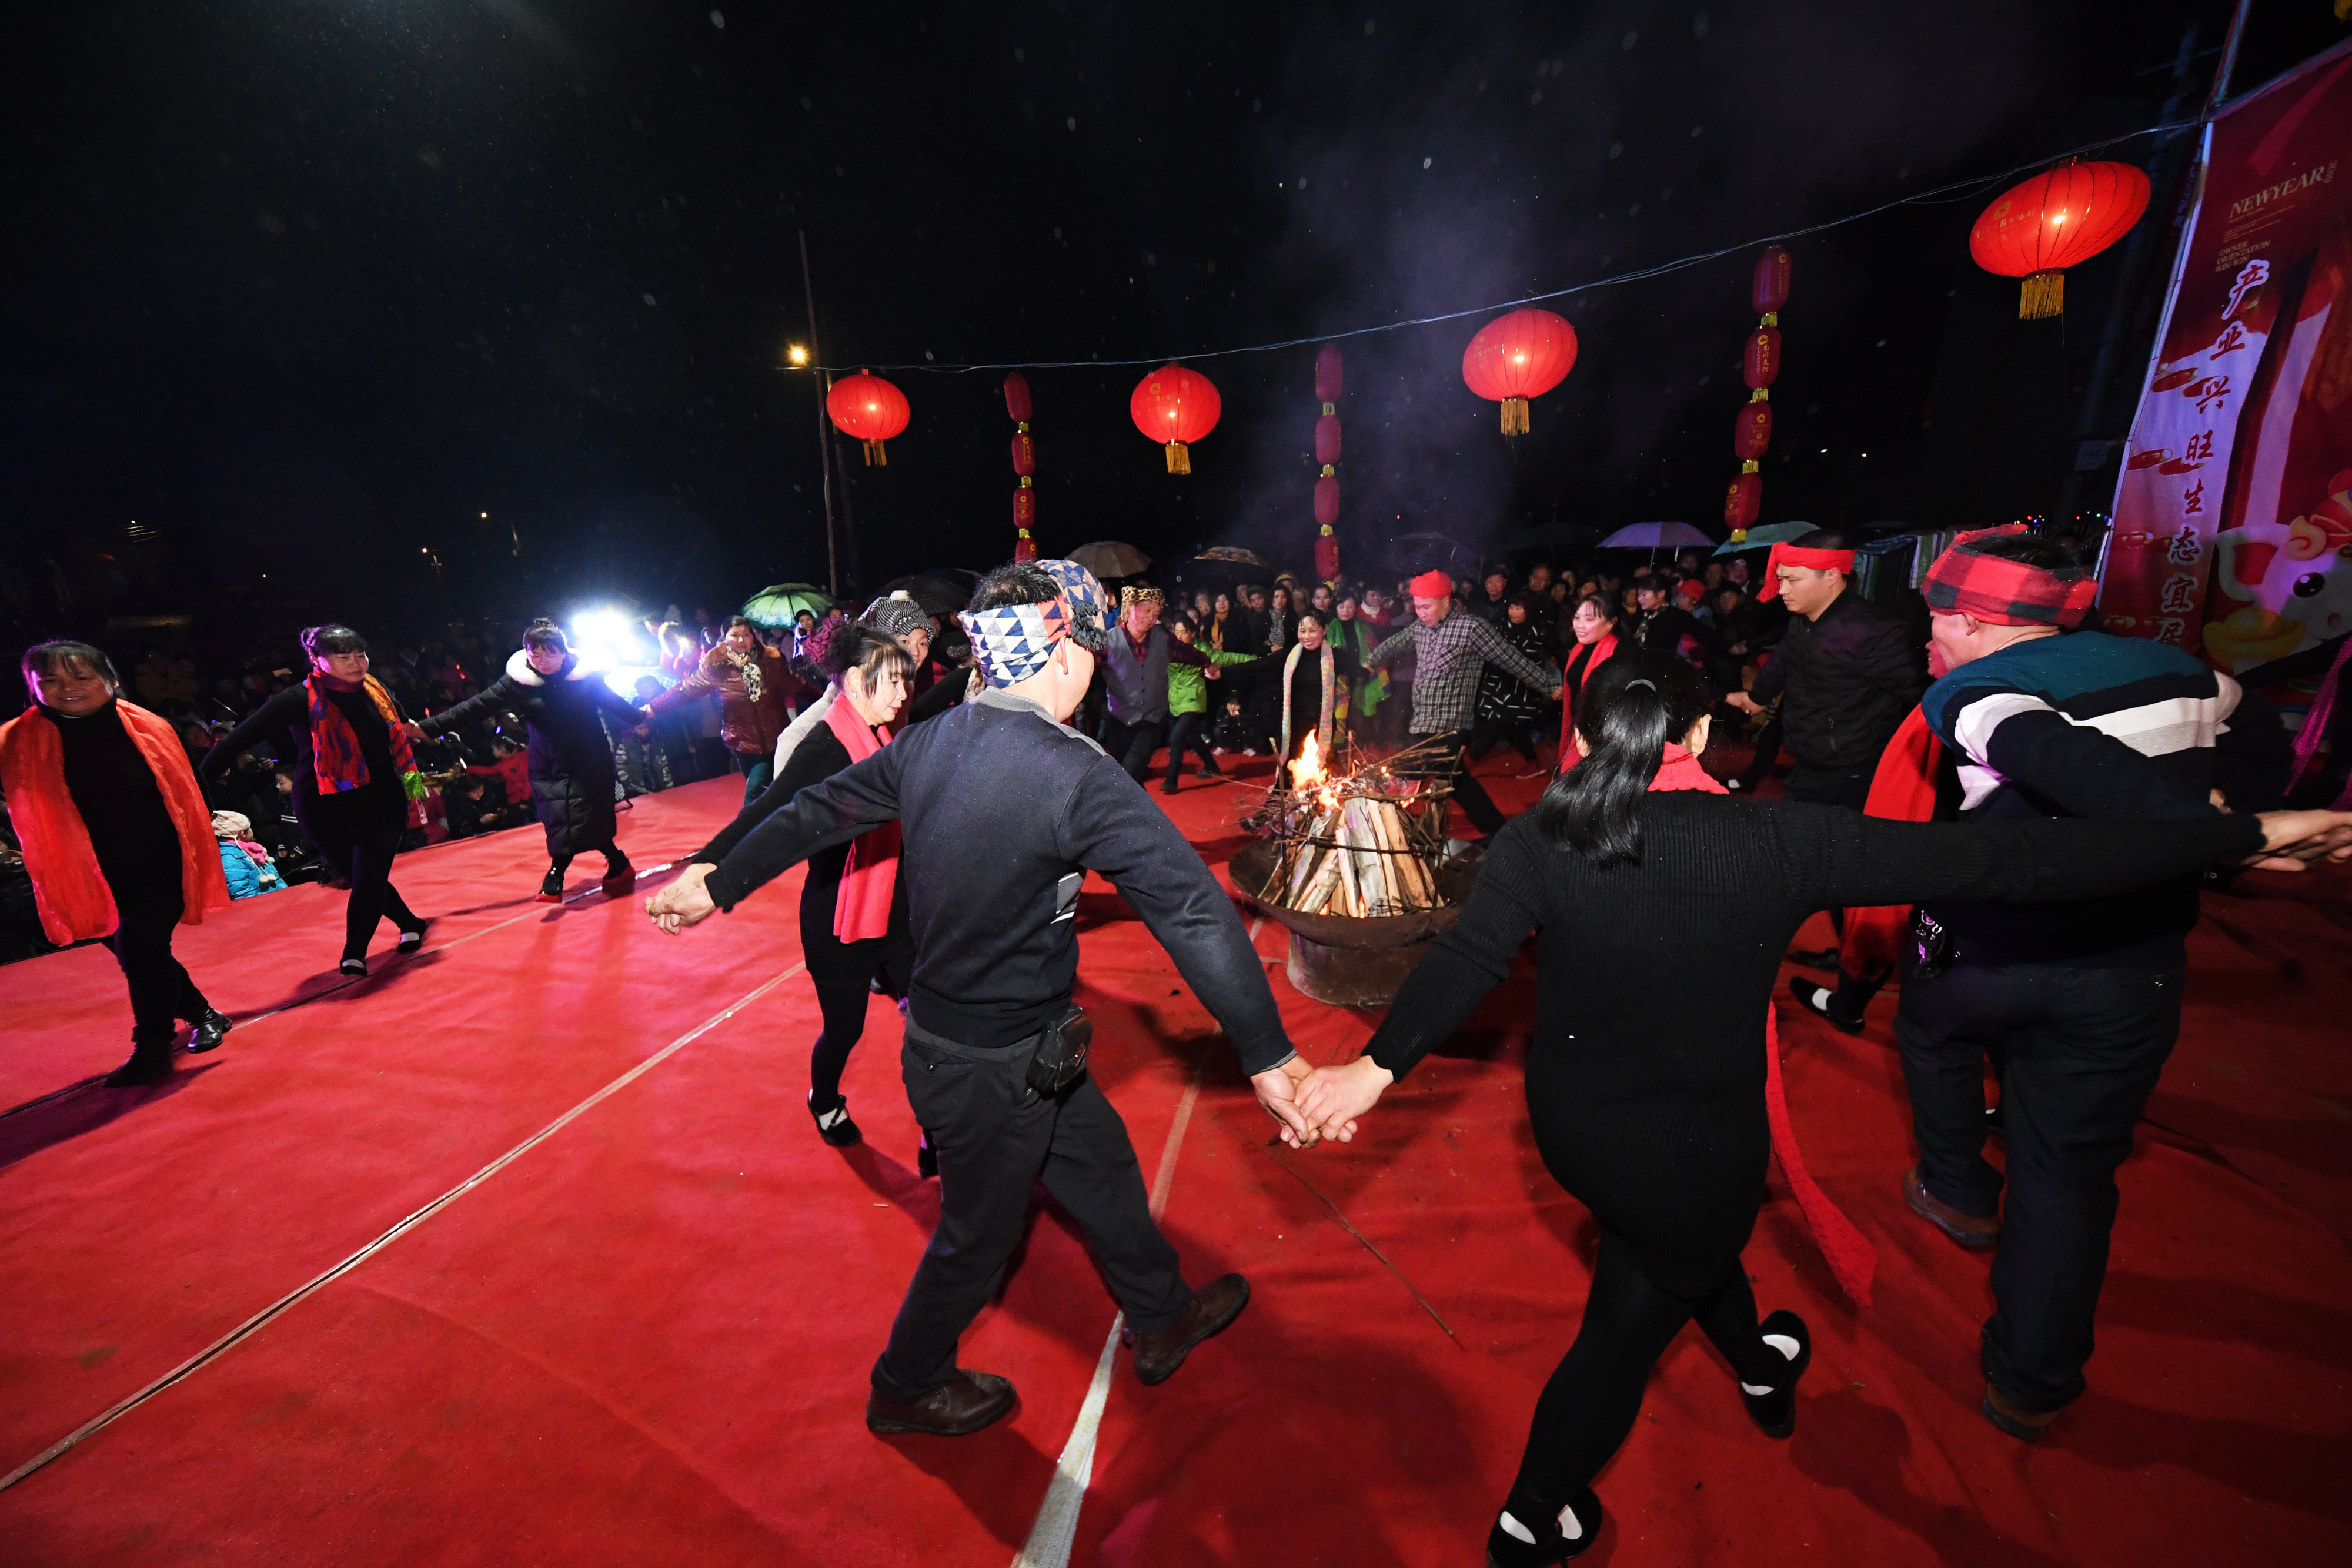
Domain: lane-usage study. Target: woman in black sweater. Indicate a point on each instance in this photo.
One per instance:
(1657, 1122)
(353, 780)
(869, 673)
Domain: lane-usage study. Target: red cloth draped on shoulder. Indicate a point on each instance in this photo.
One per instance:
(1852, 1258)
(68, 889)
(1604, 650)
(861, 911)
(1902, 790)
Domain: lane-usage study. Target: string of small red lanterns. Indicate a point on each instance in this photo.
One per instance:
(1328, 382)
(1175, 407)
(1759, 367)
(870, 408)
(1025, 464)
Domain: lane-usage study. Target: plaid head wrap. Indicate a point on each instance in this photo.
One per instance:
(2007, 592)
(1012, 641)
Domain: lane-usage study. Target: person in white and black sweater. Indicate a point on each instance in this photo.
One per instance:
(1004, 808)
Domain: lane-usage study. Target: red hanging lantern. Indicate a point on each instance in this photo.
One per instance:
(1175, 407)
(870, 408)
(1768, 289)
(1025, 464)
(1517, 356)
(1760, 363)
(1751, 432)
(2053, 221)
(1741, 503)
(1328, 382)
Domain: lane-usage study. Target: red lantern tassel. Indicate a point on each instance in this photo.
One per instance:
(1514, 416)
(876, 457)
(2042, 297)
(1179, 458)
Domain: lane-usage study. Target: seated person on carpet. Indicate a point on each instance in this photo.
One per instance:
(476, 804)
(245, 864)
(1658, 1122)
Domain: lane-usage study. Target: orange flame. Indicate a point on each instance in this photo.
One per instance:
(1307, 771)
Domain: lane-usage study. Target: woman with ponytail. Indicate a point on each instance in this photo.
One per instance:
(353, 780)
(854, 901)
(1634, 870)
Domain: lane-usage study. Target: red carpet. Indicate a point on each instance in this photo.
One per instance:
(645, 1339)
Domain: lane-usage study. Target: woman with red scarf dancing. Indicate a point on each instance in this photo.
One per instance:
(353, 780)
(854, 902)
(118, 840)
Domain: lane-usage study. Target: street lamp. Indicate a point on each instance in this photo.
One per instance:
(797, 354)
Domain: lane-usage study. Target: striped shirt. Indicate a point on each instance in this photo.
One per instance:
(1450, 657)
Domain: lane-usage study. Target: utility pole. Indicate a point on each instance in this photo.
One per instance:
(823, 435)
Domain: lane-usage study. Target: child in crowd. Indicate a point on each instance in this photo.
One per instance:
(244, 860)
(1188, 707)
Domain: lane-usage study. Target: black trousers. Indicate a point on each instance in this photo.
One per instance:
(1132, 745)
(2077, 1052)
(1489, 733)
(358, 835)
(160, 991)
(1468, 793)
(1819, 788)
(996, 1138)
(1595, 1394)
(842, 1004)
(1192, 730)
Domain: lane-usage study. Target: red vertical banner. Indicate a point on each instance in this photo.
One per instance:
(2233, 515)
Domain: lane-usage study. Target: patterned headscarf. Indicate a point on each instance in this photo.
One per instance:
(1012, 641)
(896, 616)
(2006, 592)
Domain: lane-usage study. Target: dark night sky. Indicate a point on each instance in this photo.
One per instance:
(303, 286)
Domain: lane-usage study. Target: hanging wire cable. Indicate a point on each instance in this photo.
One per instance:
(1921, 198)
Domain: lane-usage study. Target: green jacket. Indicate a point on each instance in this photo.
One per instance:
(1188, 684)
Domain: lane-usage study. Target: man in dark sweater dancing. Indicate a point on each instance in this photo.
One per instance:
(1004, 808)
(2075, 1004)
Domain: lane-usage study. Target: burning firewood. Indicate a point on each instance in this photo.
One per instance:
(1362, 844)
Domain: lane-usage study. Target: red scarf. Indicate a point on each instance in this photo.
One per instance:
(1604, 650)
(68, 889)
(1851, 1257)
(335, 752)
(1902, 790)
(861, 911)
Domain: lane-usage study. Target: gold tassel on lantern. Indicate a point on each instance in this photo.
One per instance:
(1180, 460)
(1514, 416)
(2043, 296)
(875, 457)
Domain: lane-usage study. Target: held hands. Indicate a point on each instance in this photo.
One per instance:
(413, 730)
(1277, 1090)
(1744, 703)
(683, 902)
(2293, 839)
(1335, 1096)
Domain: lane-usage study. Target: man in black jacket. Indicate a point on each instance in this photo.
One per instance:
(1004, 808)
(1846, 672)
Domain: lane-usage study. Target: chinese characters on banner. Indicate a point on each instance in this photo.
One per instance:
(2233, 515)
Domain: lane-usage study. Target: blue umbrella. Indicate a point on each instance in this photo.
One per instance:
(1657, 536)
(1771, 534)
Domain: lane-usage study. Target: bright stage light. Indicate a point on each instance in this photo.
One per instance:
(797, 354)
(606, 637)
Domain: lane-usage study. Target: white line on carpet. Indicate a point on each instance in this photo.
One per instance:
(277, 1308)
(1057, 1528)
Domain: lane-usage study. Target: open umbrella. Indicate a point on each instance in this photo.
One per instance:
(934, 592)
(1657, 536)
(1415, 553)
(1764, 538)
(778, 604)
(1224, 567)
(1109, 558)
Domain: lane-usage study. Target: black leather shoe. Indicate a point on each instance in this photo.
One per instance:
(1539, 1543)
(964, 1404)
(1973, 1232)
(210, 1030)
(148, 1064)
(410, 941)
(354, 968)
(835, 1125)
(1158, 1356)
(551, 886)
(2013, 1418)
(1805, 991)
(1774, 1410)
(619, 881)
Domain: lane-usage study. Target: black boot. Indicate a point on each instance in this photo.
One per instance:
(210, 1029)
(1774, 1410)
(620, 877)
(551, 886)
(1539, 1543)
(148, 1064)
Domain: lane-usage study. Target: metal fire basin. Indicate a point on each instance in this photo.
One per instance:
(1346, 961)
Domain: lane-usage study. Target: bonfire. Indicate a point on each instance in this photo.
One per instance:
(1364, 844)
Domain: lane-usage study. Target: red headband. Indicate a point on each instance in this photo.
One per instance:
(2004, 593)
(1433, 585)
(1794, 555)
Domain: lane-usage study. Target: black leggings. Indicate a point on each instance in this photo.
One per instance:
(364, 860)
(1489, 733)
(160, 991)
(1595, 1392)
(843, 1009)
(1188, 730)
